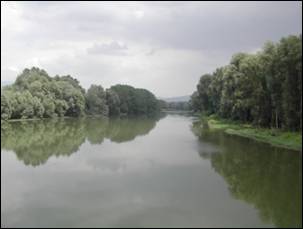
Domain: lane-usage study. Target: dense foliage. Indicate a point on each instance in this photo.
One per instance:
(37, 95)
(263, 88)
(135, 101)
(96, 100)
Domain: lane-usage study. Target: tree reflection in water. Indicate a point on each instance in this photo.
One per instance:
(34, 142)
(269, 178)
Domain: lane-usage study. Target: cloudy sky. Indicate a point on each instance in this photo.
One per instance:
(161, 46)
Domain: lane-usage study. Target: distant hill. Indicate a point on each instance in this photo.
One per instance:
(177, 99)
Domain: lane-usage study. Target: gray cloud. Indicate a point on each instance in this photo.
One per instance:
(112, 48)
(169, 44)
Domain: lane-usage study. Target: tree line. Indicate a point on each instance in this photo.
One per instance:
(178, 105)
(263, 88)
(35, 94)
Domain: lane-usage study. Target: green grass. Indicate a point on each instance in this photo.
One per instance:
(276, 137)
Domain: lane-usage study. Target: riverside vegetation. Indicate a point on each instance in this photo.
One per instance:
(262, 92)
(37, 95)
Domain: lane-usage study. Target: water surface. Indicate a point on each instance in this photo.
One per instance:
(144, 173)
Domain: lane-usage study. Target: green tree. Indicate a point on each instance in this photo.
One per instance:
(228, 92)
(49, 107)
(60, 107)
(96, 100)
(113, 102)
(203, 93)
(136, 101)
(195, 103)
(215, 89)
(289, 51)
(6, 109)
(75, 100)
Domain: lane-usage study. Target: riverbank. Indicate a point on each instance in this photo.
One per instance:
(37, 119)
(275, 137)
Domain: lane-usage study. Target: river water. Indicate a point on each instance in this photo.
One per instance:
(143, 172)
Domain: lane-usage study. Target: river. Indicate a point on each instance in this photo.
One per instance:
(143, 172)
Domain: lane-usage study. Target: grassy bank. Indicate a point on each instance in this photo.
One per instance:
(275, 137)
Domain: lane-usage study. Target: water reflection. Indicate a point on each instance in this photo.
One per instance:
(267, 177)
(35, 142)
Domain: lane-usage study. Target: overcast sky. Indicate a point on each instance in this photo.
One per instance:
(164, 47)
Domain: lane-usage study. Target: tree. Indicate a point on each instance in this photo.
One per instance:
(96, 100)
(268, 61)
(113, 102)
(228, 92)
(75, 100)
(49, 107)
(135, 101)
(203, 93)
(289, 52)
(215, 89)
(194, 102)
(60, 107)
(6, 109)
